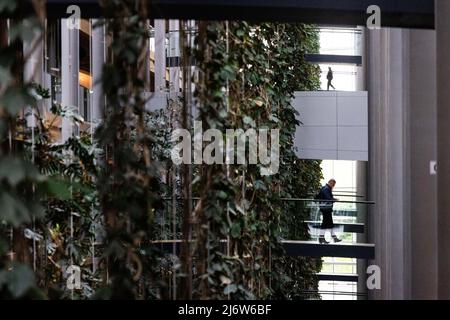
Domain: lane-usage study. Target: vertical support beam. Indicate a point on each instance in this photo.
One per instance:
(174, 51)
(69, 74)
(160, 55)
(98, 99)
(442, 15)
(98, 45)
(361, 188)
(361, 166)
(388, 160)
(147, 87)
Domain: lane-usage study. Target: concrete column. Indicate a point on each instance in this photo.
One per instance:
(174, 51)
(98, 45)
(442, 14)
(160, 55)
(361, 189)
(388, 167)
(69, 74)
(402, 117)
(361, 166)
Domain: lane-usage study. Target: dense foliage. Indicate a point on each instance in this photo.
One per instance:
(248, 74)
(98, 201)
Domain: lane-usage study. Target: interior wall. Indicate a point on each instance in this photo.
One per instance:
(423, 205)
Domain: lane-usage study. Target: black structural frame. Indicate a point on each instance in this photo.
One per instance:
(394, 13)
(295, 248)
(333, 59)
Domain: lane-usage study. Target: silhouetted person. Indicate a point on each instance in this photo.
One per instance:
(326, 208)
(329, 78)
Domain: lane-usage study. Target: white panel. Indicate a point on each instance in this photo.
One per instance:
(316, 154)
(335, 125)
(320, 111)
(352, 94)
(298, 94)
(352, 138)
(353, 155)
(316, 138)
(352, 111)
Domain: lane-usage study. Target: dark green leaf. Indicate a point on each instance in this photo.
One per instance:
(231, 288)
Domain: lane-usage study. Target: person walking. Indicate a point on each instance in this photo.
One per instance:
(329, 78)
(326, 208)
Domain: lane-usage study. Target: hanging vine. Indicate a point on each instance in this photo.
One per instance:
(246, 76)
(127, 183)
(20, 182)
(261, 65)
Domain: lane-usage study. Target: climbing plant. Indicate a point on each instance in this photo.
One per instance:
(71, 210)
(48, 197)
(20, 182)
(127, 182)
(97, 202)
(248, 74)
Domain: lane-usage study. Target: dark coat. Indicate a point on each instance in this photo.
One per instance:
(326, 208)
(330, 75)
(326, 193)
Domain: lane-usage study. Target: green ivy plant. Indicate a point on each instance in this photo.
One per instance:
(20, 181)
(128, 178)
(247, 76)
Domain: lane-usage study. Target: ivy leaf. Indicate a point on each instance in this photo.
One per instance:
(58, 188)
(240, 209)
(26, 30)
(20, 280)
(5, 76)
(224, 280)
(8, 5)
(231, 288)
(236, 230)
(15, 170)
(274, 119)
(240, 33)
(223, 113)
(222, 194)
(14, 99)
(11, 170)
(248, 120)
(71, 112)
(13, 210)
(259, 102)
(259, 185)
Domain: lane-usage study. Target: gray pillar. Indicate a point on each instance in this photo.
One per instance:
(388, 172)
(98, 45)
(361, 167)
(174, 51)
(402, 116)
(361, 189)
(442, 14)
(160, 55)
(69, 74)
